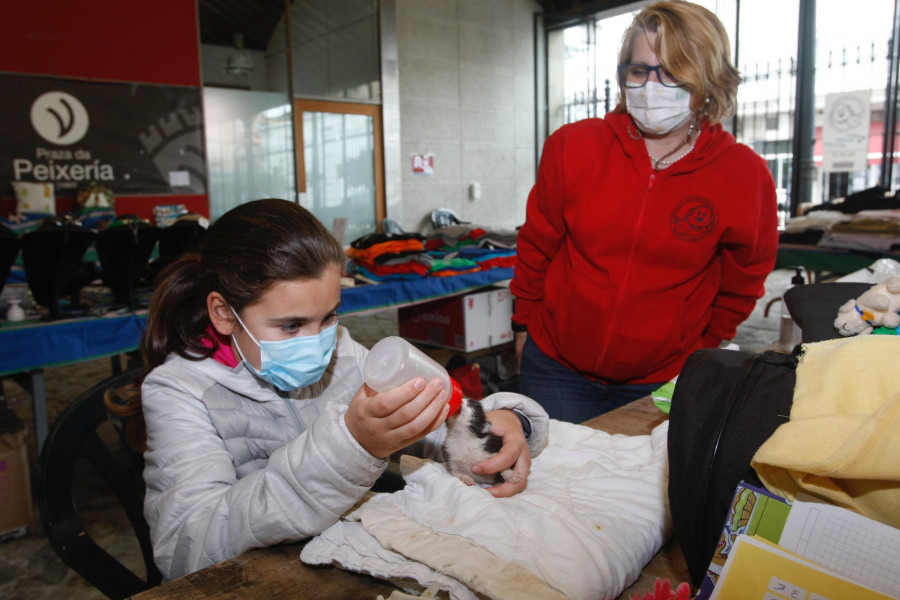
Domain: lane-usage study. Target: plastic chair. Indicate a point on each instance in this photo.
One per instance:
(814, 307)
(74, 436)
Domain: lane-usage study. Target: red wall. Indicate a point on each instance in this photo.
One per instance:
(121, 40)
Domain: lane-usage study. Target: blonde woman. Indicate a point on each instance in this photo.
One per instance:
(649, 232)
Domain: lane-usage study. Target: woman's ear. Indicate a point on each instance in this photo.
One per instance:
(220, 314)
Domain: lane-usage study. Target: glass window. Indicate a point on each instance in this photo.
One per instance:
(849, 58)
(340, 165)
(249, 147)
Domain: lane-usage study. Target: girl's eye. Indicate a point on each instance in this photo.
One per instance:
(331, 319)
(291, 328)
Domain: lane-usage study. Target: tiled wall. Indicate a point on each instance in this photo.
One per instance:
(466, 77)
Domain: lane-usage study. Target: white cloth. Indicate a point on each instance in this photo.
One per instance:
(594, 513)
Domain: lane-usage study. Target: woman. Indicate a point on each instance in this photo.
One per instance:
(259, 427)
(649, 233)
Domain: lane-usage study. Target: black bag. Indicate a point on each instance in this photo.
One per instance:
(726, 404)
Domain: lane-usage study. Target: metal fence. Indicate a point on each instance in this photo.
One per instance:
(765, 112)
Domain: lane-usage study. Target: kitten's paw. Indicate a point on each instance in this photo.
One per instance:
(511, 476)
(466, 479)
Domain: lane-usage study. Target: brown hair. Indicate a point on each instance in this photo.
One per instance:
(243, 254)
(693, 46)
(246, 250)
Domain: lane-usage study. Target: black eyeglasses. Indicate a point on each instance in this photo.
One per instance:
(634, 75)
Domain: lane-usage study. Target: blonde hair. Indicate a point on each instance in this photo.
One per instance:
(692, 44)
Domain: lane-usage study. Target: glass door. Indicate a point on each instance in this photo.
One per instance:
(340, 165)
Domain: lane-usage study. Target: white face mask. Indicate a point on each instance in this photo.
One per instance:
(658, 109)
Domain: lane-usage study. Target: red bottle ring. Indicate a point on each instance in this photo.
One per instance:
(456, 397)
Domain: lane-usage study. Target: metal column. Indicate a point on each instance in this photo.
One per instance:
(804, 168)
(890, 105)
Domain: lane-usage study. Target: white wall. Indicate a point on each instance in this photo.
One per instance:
(466, 77)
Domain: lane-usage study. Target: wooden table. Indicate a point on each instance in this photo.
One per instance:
(278, 573)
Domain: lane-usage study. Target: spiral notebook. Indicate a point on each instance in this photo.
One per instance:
(757, 569)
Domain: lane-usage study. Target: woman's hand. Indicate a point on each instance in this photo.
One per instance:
(514, 454)
(385, 422)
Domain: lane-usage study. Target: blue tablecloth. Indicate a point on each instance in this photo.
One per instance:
(35, 344)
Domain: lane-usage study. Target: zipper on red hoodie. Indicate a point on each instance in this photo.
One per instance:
(621, 290)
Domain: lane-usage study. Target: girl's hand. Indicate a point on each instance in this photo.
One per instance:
(385, 422)
(514, 454)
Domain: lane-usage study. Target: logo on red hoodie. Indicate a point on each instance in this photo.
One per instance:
(693, 219)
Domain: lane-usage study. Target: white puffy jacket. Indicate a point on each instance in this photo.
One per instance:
(233, 464)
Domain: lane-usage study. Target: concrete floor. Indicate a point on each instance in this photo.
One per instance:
(29, 568)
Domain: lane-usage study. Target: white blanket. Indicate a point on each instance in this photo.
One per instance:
(595, 512)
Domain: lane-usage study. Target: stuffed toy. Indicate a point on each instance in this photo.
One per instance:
(876, 307)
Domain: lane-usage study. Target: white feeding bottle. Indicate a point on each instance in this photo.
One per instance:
(393, 361)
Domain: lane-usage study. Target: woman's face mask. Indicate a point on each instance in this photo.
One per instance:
(658, 109)
(292, 363)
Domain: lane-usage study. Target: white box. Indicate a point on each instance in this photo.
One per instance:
(469, 322)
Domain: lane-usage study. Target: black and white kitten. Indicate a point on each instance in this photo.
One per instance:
(470, 441)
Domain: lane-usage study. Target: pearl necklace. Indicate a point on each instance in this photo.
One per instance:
(664, 159)
(669, 161)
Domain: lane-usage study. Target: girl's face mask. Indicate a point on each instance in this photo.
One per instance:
(292, 363)
(658, 109)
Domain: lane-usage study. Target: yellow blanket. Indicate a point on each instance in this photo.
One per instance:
(843, 440)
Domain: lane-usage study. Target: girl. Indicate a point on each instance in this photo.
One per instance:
(259, 427)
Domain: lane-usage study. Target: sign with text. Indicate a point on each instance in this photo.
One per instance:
(134, 138)
(845, 132)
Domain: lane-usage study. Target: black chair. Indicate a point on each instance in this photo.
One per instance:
(73, 437)
(124, 251)
(814, 307)
(52, 256)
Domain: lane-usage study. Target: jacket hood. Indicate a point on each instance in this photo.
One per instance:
(712, 142)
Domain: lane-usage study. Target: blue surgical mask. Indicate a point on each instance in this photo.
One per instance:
(293, 363)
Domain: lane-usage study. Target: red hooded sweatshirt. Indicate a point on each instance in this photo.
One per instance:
(623, 271)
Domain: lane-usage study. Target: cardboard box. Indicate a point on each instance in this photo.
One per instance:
(15, 486)
(467, 323)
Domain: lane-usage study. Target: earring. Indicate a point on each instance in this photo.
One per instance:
(636, 133)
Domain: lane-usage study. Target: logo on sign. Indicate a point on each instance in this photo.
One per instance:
(59, 118)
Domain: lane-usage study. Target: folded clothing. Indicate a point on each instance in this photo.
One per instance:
(841, 443)
(594, 513)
